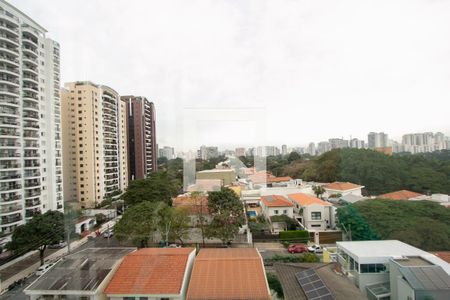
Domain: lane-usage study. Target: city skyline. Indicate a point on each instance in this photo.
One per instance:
(228, 58)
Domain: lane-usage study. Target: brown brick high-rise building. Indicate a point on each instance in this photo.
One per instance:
(142, 150)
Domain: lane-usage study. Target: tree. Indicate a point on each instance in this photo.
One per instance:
(355, 225)
(318, 190)
(137, 224)
(293, 156)
(180, 224)
(228, 215)
(200, 210)
(38, 233)
(158, 186)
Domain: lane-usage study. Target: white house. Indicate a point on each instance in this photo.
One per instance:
(342, 188)
(367, 262)
(276, 205)
(313, 213)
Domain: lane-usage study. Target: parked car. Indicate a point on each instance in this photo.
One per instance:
(108, 234)
(315, 249)
(43, 269)
(297, 248)
(61, 244)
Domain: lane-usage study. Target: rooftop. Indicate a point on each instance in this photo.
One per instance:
(217, 171)
(400, 195)
(382, 251)
(278, 179)
(413, 261)
(342, 186)
(426, 278)
(306, 200)
(229, 273)
(81, 271)
(340, 287)
(275, 201)
(444, 255)
(151, 271)
(196, 204)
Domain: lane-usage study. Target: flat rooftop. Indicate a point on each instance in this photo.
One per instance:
(413, 261)
(382, 251)
(81, 271)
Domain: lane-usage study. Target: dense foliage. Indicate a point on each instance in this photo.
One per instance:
(158, 186)
(302, 258)
(298, 235)
(275, 284)
(424, 173)
(227, 215)
(38, 233)
(423, 224)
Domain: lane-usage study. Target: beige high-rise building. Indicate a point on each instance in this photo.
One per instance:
(94, 143)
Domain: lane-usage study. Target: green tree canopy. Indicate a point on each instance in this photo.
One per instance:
(228, 215)
(38, 233)
(157, 187)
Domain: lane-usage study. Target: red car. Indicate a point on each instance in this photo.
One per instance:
(298, 248)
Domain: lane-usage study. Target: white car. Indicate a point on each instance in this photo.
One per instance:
(315, 249)
(43, 269)
(108, 234)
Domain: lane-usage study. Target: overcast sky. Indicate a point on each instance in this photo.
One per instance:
(311, 70)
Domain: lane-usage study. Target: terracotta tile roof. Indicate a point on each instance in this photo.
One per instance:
(342, 186)
(400, 195)
(444, 255)
(278, 179)
(275, 201)
(305, 200)
(195, 204)
(260, 177)
(150, 271)
(232, 273)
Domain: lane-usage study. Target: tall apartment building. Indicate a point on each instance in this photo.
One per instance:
(208, 152)
(338, 143)
(423, 142)
(356, 143)
(167, 152)
(94, 143)
(142, 148)
(323, 147)
(311, 149)
(30, 137)
(377, 140)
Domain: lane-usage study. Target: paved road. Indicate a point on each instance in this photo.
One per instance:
(17, 292)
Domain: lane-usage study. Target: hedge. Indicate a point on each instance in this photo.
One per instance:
(294, 235)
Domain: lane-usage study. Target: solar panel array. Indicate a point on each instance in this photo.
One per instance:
(313, 286)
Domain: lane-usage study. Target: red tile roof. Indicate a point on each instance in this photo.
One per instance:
(444, 255)
(232, 273)
(305, 200)
(150, 271)
(342, 186)
(278, 179)
(400, 195)
(275, 201)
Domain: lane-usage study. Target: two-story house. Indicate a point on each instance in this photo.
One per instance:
(312, 212)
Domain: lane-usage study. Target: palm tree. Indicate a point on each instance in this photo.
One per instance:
(318, 190)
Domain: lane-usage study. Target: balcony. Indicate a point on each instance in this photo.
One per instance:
(29, 40)
(9, 144)
(14, 71)
(30, 78)
(10, 60)
(10, 28)
(9, 165)
(30, 144)
(9, 176)
(31, 153)
(11, 186)
(8, 49)
(11, 219)
(9, 101)
(31, 115)
(32, 183)
(31, 173)
(31, 51)
(8, 122)
(12, 111)
(32, 213)
(32, 164)
(32, 202)
(9, 91)
(9, 132)
(5, 209)
(31, 124)
(30, 134)
(10, 197)
(9, 154)
(30, 60)
(32, 193)
(8, 38)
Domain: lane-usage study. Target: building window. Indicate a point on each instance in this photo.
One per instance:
(285, 211)
(316, 215)
(372, 268)
(276, 212)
